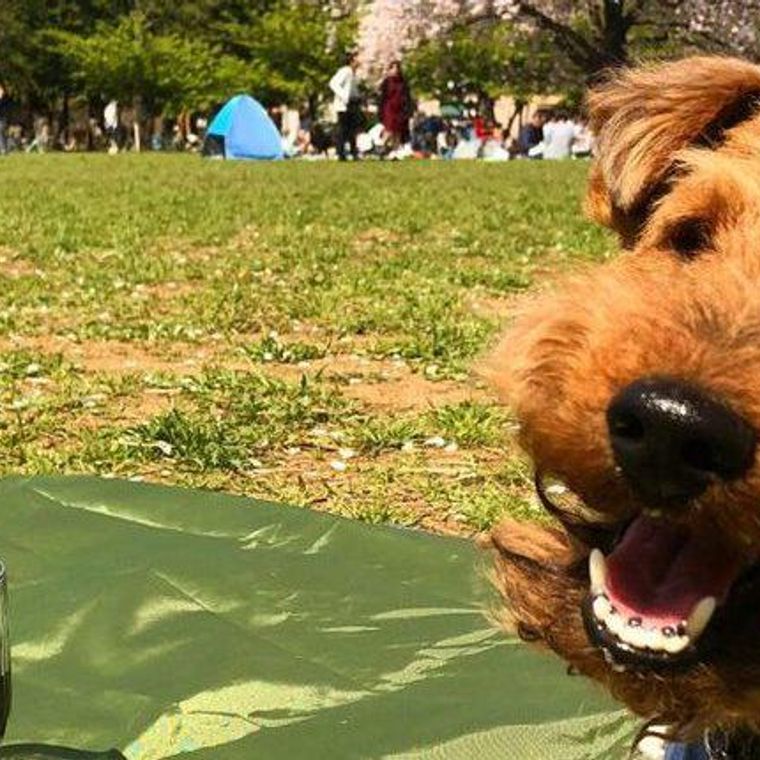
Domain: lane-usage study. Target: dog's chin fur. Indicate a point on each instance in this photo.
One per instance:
(679, 145)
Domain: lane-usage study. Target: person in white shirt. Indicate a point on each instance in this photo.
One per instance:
(583, 145)
(559, 135)
(111, 124)
(347, 106)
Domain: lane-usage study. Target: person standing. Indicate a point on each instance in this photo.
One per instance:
(396, 106)
(532, 133)
(559, 135)
(347, 106)
(5, 115)
(111, 124)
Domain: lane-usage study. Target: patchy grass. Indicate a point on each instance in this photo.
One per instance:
(471, 423)
(301, 332)
(273, 349)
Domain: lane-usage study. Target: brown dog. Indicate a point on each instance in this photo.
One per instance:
(638, 385)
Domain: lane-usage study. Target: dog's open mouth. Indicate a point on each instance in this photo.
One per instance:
(653, 597)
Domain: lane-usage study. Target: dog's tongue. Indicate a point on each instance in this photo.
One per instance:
(660, 570)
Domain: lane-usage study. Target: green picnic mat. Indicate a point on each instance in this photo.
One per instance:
(165, 622)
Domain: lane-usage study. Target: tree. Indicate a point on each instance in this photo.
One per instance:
(593, 35)
(294, 48)
(486, 61)
(15, 62)
(163, 57)
(159, 74)
(39, 77)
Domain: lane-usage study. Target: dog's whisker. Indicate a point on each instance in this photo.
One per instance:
(589, 534)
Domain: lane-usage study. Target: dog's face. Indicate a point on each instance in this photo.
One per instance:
(638, 385)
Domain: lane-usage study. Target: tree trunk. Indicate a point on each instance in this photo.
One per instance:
(516, 115)
(487, 106)
(137, 126)
(593, 55)
(92, 117)
(313, 107)
(62, 136)
(157, 133)
(615, 33)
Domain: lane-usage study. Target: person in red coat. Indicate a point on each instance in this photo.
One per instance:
(396, 106)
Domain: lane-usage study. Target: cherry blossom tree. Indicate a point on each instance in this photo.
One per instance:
(593, 35)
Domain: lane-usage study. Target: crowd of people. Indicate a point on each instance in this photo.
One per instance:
(395, 129)
(385, 124)
(549, 134)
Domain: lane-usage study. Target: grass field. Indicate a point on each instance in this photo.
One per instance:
(298, 332)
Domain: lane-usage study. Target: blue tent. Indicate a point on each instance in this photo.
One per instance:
(243, 129)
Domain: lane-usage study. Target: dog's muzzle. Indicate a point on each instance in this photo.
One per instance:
(671, 440)
(654, 594)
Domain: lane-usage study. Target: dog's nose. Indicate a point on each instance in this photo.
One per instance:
(671, 440)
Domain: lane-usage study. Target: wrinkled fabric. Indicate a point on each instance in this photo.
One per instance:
(167, 623)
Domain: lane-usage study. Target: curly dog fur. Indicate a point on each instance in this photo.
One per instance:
(677, 176)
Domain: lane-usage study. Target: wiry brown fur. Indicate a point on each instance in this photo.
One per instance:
(679, 145)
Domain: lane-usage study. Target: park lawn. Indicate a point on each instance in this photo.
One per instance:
(301, 332)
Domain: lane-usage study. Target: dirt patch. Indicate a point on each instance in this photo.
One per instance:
(382, 384)
(129, 411)
(184, 251)
(354, 491)
(245, 238)
(15, 267)
(375, 237)
(339, 365)
(166, 290)
(413, 392)
(119, 357)
(492, 307)
(138, 409)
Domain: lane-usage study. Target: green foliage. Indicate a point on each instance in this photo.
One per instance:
(489, 60)
(237, 420)
(273, 349)
(295, 47)
(172, 56)
(471, 423)
(374, 436)
(16, 63)
(20, 365)
(187, 439)
(166, 72)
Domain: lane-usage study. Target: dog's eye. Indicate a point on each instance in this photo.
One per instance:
(689, 238)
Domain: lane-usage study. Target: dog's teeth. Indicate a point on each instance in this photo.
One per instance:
(675, 644)
(615, 624)
(602, 607)
(597, 570)
(671, 644)
(636, 637)
(700, 617)
(654, 640)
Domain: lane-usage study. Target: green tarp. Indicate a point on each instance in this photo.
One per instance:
(167, 622)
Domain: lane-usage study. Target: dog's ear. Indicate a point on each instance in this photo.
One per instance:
(643, 116)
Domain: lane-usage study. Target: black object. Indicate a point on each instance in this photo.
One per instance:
(213, 146)
(53, 752)
(671, 440)
(322, 137)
